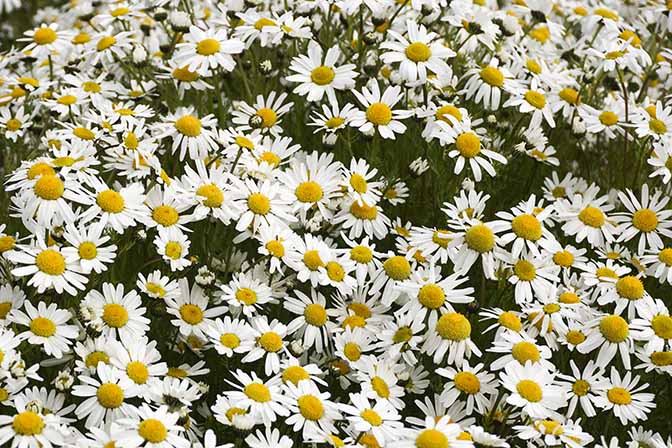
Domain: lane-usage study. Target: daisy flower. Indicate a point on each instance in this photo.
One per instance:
(88, 247)
(46, 327)
(117, 209)
(532, 389)
(584, 387)
(203, 51)
(647, 217)
(173, 246)
(139, 360)
(266, 202)
(270, 342)
(265, 114)
(157, 286)
(586, 218)
(612, 334)
(230, 336)
(440, 432)
(318, 75)
(246, 294)
(451, 335)
(625, 398)
(115, 312)
(189, 132)
(191, 309)
(379, 114)
(310, 409)
(312, 325)
(263, 400)
(46, 40)
(380, 418)
(468, 381)
(26, 428)
(661, 161)
(149, 428)
(487, 84)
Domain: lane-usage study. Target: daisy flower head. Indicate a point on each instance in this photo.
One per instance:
(113, 312)
(190, 307)
(533, 100)
(149, 428)
(434, 432)
(47, 326)
(189, 133)
(625, 397)
(418, 54)
(585, 217)
(270, 343)
(584, 387)
(379, 417)
(88, 246)
(451, 335)
(379, 114)
(25, 427)
(473, 382)
(46, 40)
(230, 336)
(318, 74)
(488, 84)
(173, 246)
(204, 51)
(533, 390)
(262, 399)
(310, 409)
(265, 114)
(312, 324)
(647, 218)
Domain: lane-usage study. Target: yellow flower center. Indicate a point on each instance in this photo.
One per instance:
(44, 36)
(533, 66)
(605, 272)
(191, 314)
(535, 99)
(361, 211)
(87, 250)
(656, 125)
(115, 315)
(13, 125)
(7, 242)
(645, 220)
(229, 340)
(570, 95)
(257, 392)
(183, 74)
(110, 396)
(581, 387)
(50, 262)
(467, 382)
(295, 374)
(527, 227)
(312, 260)
(335, 271)
(354, 321)
(152, 430)
(315, 314)
(363, 255)
(334, 122)
(261, 23)
(360, 309)
(614, 328)
(110, 201)
(258, 204)
(380, 387)
(137, 372)
(322, 75)
(468, 144)
(431, 296)
(431, 438)
(268, 117)
(662, 326)
(173, 250)
(213, 195)
(630, 287)
(105, 43)
(662, 359)
(453, 326)
(509, 320)
(49, 187)
(549, 427)
(309, 192)
(569, 297)
(529, 390)
(311, 407)
(608, 118)
(246, 296)
(28, 423)
(371, 417)
(525, 270)
(207, 47)
(379, 114)
(492, 76)
(91, 87)
(188, 125)
(270, 341)
(606, 14)
(403, 334)
(358, 183)
(43, 327)
(525, 351)
(480, 238)
(275, 248)
(352, 351)
(397, 268)
(418, 52)
(67, 100)
(40, 169)
(575, 337)
(541, 34)
(619, 396)
(563, 258)
(93, 358)
(443, 112)
(592, 216)
(155, 289)
(165, 215)
(118, 12)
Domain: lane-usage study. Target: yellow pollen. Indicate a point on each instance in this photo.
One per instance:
(509, 320)
(397, 268)
(191, 314)
(418, 52)
(312, 260)
(137, 372)
(335, 271)
(43, 327)
(156, 289)
(365, 212)
(207, 47)
(379, 114)
(322, 75)
(467, 382)
(310, 407)
(656, 125)
(67, 100)
(358, 183)
(380, 387)
(371, 417)
(529, 390)
(581, 387)
(354, 321)
(152, 430)
(592, 216)
(40, 169)
(309, 192)
(453, 326)
(363, 255)
(50, 262)
(527, 227)
(608, 118)
(662, 359)
(614, 328)
(213, 195)
(110, 396)
(268, 117)
(563, 258)
(570, 96)
(44, 36)
(229, 340)
(525, 270)
(275, 248)
(662, 326)
(13, 125)
(165, 215)
(468, 144)
(535, 99)
(533, 66)
(246, 296)
(258, 204)
(645, 220)
(105, 43)
(83, 133)
(525, 351)
(270, 341)
(188, 125)
(402, 335)
(261, 23)
(549, 427)
(431, 438)
(630, 287)
(7, 242)
(118, 12)
(315, 314)
(49, 187)
(431, 296)
(110, 201)
(184, 75)
(360, 309)
(173, 250)
(294, 374)
(541, 34)
(492, 76)
(568, 297)
(27, 423)
(443, 112)
(334, 122)
(575, 337)
(480, 238)
(619, 396)
(352, 351)
(257, 392)
(115, 315)
(93, 358)
(551, 308)
(87, 250)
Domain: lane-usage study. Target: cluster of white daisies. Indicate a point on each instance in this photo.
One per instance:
(289, 223)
